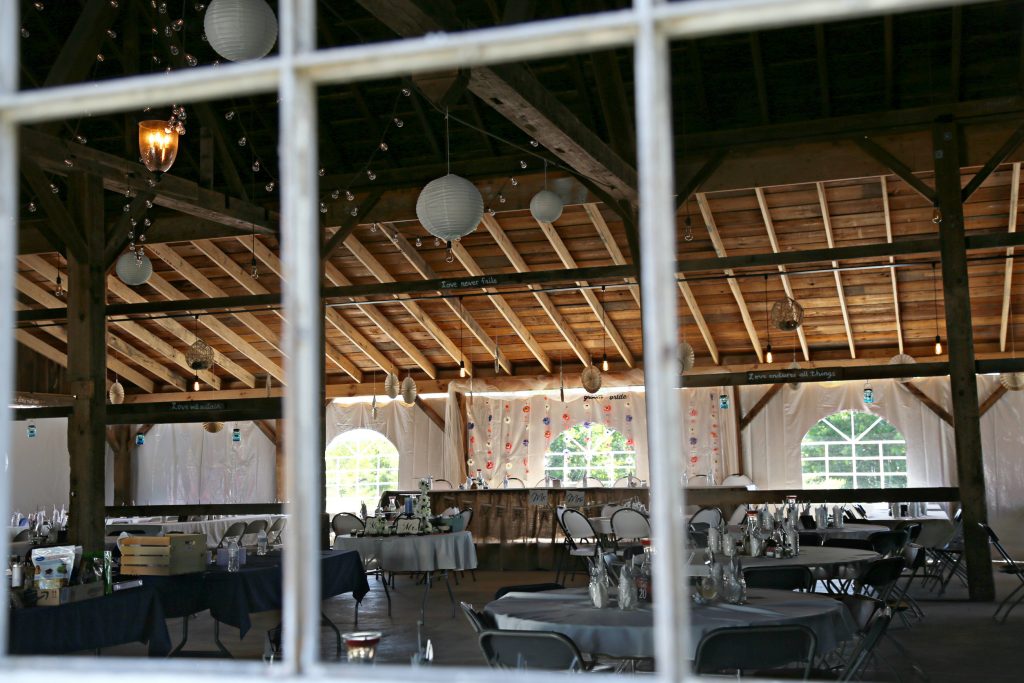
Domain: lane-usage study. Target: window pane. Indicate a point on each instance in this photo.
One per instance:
(867, 450)
(813, 451)
(862, 422)
(811, 466)
(852, 458)
(869, 483)
(896, 482)
(867, 466)
(895, 465)
(844, 450)
(590, 450)
(841, 466)
(894, 449)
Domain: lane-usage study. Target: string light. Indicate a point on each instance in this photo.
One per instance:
(935, 301)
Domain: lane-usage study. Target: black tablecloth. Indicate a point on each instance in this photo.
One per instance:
(232, 596)
(133, 615)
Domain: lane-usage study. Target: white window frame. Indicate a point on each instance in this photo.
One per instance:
(853, 442)
(588, 469)
(296, 72)
(379, 484)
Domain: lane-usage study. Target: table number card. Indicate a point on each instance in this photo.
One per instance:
(539, 497)
(573, 499)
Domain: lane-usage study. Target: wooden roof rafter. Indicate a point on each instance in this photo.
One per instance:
(827, 222)
(1004, 317)
(892, 271)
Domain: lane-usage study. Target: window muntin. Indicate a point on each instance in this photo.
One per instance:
(853, 450)
(590, 450)
(361, 465)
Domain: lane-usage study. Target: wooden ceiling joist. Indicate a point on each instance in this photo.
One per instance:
(245, 279)
(1004, 317)
(698, 318)
(427, 272)
(605, 233)
(517, 261)
(377, 269)
(716, 241)
(892, 271)
(588, 294)
(827, 221)
(769, 225)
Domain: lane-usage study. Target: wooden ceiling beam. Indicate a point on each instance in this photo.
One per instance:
(822, 55)
(506, 310)
(827, 222)
(698, 318)
(892, 271)
(1004, 318)
(145, 362)
(349, 223)
(588, 295)
(77, 55)
(759, 80)
(517, 261)
(61, 229)
(605, 233)
(375, 267)
(769, 225)
(884, 157)
(734, 287)
(245, 279)
(1007, 148)
(427, 272)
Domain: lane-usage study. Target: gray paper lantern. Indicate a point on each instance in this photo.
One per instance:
(132, 270)
(787, 314)
(1014, 381)
(116, 393)
(450, 207)
(686, 357)
(546, 206)
(591, 379)
(409, 390)
(199, 356)
(902, 359)
(240, 29)
(391, 385)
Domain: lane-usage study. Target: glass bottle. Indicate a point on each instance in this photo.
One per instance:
(643, 579)
(261, 543)
(233, 555)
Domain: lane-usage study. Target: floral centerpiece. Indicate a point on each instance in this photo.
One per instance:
(421, 507)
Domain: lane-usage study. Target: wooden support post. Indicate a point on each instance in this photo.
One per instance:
(963, 384)
(87, 366)
(929, 403)
(759, 406)
(463, 437)
(279, 462)
(992, 399)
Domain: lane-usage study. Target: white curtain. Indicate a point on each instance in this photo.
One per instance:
(1002, 440)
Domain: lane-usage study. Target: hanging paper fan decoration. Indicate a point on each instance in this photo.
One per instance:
(686, 357)
(391, 387)
(213, 427)
(1014, 381)
(787, 314)
(409, 390)
(591, 379)
(902, 359)
(116, 393)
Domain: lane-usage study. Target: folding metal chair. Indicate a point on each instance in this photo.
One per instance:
(1010, 568)
(755, 648)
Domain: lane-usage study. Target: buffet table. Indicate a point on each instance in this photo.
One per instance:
(213, 529)
(428, 553)
(630, 634)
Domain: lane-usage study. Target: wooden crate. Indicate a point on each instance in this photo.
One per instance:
(163, 555)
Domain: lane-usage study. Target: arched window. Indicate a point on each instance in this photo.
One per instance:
(590, 450)
(361, 464)
(854, 450)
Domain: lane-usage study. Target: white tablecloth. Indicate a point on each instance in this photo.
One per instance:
(432, 552)
(214, 529)
(630, 634)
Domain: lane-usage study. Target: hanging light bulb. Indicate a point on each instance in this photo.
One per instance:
(768, 354)
(462, 368)
(195, 383)
(604, 364)
(935, 303)
(938, 345)
(158, 145)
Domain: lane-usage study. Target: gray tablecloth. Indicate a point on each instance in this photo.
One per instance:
(859, 532)
(428, 553)
(824, 562)
(630, 634)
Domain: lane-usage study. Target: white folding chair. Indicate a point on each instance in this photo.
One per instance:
(631, 525)
(581, 541)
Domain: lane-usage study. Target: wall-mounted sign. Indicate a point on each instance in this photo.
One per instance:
(192, 406)
(140, 439)
(794, 375)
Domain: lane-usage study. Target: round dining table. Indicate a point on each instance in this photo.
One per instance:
(629, 634)
(859, 532)
(825, 562)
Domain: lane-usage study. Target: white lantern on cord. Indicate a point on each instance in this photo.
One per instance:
(240, 29)
(133, 270)
(409, 390)
(450, 207)
(546, 206)
(391, 385)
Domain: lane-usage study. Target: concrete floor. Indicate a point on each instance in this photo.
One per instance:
(957, 641)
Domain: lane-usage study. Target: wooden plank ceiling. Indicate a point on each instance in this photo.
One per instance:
(215, 217)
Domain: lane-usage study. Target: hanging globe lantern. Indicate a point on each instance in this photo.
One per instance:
(213, 427)
(787, 314)
(902, 359)
(116, 393)
(133, 270)
(240, 29)
(591, 379)
(686, 357)
(391, 385)
(199, 356)
(546, 206)
(1013, 381)
(409, 390)
(450, 207)
(158, 145)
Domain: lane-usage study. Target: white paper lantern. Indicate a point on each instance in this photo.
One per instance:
(1014, 381)
(391, 385)
(686, 357)
(409, 390)
(116, 393)
(450, 207)
(902, 359)
(240, 29)
(591, 379)
(132, 270)
(546, 206)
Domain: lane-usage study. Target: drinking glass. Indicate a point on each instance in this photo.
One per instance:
(362, 645)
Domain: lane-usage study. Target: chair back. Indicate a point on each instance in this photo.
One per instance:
(530, 650)
(779, 578)
(516, 483)
(442, 485)
(889, 543)
(626, 482)
(255, 526)
(810, 538)
(738, 480)
(861, 607)
(527, 588)
(994, 540)
(236, 530)
(20, 536)
(859, 657)
(630, 524)
(592, 482)
(478, 620)
(576, 526)
(345, 523)
(760, 647)
(274, 533)
(913, 530)
(710, 516)
(467, 517)
(882, 574)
